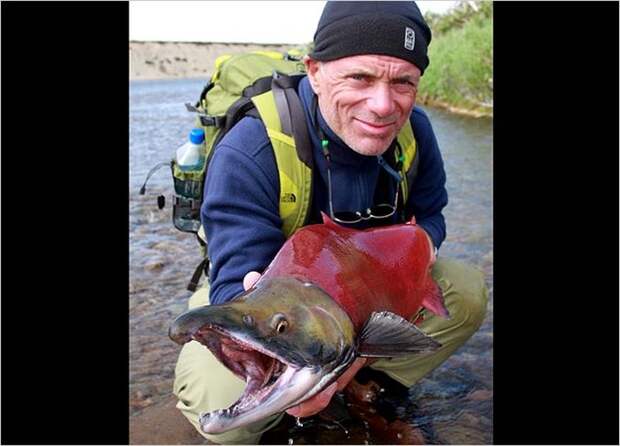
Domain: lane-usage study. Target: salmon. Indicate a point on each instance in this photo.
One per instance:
(331, 294)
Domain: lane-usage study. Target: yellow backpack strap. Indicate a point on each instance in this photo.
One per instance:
(406, 157)
(295, 176)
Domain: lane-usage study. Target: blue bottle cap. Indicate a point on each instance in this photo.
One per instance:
(197, 136)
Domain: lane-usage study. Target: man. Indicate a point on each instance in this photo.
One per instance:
(359, 94)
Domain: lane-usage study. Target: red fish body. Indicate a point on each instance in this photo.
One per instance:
(331, 294)
(378, 269)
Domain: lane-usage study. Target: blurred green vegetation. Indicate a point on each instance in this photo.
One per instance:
(460, 74)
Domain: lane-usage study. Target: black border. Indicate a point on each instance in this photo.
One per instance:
(65, 177)
(556, 223)
(65, 226)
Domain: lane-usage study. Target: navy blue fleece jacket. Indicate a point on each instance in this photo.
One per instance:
(240, 210)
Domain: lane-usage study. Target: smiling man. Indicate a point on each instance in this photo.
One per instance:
(365, 99)
(375, 161)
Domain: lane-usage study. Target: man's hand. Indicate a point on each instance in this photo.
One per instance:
(319, 401)
(250, 279)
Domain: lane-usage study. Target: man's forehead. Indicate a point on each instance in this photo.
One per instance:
(375, 62)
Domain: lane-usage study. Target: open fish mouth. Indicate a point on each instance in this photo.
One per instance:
(273, 384)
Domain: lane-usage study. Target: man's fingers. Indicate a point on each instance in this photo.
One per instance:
(315, 404)
(250, 279)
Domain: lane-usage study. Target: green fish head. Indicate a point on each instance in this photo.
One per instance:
(288, 339)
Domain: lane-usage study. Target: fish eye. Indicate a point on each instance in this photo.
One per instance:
(281, 327)
(279, 323)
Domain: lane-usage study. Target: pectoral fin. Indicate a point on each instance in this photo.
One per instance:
(388, 335)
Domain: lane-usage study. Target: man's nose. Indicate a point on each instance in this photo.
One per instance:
(381, 101)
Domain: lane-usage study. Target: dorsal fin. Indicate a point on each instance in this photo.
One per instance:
(388, 335)
(412, 221)
(328, 221)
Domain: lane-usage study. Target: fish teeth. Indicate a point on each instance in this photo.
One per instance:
(216, 413)
(268, 373)
(224, 412)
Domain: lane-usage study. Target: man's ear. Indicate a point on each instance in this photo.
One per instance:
(312, 68)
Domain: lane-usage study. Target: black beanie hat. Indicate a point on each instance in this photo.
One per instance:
(390, 28)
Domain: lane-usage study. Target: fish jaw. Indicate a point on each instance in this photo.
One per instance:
(292, 386)
(281, 369)
(273, 383)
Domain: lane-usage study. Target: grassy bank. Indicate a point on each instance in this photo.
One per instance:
(460, 75)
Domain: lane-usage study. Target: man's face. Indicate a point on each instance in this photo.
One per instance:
(365, 99)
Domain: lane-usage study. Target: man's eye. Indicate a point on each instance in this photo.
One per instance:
(405, 86)
(358, 77)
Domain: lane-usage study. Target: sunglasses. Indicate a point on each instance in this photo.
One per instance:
(379, 211)
(347, 217)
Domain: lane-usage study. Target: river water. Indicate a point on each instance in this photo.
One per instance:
(453, 405)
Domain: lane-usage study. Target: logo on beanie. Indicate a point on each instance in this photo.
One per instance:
(409, 38)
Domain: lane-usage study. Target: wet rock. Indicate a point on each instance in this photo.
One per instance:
(169, 247)
(141, 227)
(137, 404)
(480, 395)
(406, 434)
(381, 431)
(155, 265)
(366, 393)
(469, 419)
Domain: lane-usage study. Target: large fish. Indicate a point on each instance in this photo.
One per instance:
(330, 294)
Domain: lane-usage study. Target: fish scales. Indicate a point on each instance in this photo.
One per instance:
(384, 268)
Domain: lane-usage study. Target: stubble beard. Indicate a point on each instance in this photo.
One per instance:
(368, 146)
(364, 145)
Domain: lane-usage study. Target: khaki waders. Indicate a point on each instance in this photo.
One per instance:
(203, 384)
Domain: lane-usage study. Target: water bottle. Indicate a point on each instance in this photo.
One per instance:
(190, 156)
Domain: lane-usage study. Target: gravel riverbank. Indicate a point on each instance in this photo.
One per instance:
(169, 60)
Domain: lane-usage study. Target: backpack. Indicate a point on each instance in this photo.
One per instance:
(260, 84)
